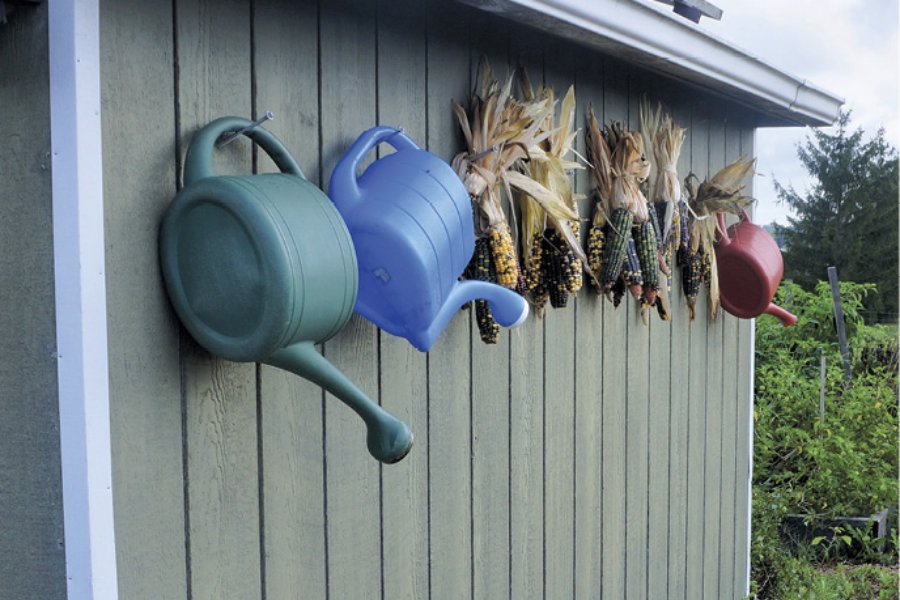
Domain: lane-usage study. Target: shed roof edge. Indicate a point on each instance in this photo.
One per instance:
(662, 42)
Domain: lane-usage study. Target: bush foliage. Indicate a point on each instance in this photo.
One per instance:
(845, 465)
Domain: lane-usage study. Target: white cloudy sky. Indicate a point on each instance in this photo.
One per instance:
(848, 47)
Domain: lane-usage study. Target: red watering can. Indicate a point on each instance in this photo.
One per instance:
(750, 268)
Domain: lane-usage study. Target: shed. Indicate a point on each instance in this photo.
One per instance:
(585, 455)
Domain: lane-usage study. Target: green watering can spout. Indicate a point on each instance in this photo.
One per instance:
(388, 438)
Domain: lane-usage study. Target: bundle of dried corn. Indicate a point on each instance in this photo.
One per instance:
(628, 243)
(720, 194)
(665, 139)
(550, 238)
(600, 159)
(500, 132)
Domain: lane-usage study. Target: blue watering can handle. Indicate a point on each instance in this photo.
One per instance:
(198, 164)
(374, 136)
(344, 175)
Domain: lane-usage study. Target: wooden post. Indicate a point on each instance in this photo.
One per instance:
(839, 321)
(822, 390)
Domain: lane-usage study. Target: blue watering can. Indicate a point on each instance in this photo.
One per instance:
(410, 219)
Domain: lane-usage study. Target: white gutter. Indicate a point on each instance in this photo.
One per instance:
(662, 42)
(78, 249)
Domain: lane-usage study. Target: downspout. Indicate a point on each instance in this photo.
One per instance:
(78, 249)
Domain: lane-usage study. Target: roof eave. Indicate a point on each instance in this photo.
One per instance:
(661, 42)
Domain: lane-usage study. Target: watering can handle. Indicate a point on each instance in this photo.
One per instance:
(722, 231)
(198, 164)
(724, 240)
(343, 184)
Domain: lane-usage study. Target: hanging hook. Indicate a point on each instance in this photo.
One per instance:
(227, 138)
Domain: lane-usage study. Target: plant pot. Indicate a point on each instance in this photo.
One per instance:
(796, 531)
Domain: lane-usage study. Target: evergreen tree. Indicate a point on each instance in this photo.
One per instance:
(849, 219)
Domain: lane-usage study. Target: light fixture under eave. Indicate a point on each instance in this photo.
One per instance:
(694, 9)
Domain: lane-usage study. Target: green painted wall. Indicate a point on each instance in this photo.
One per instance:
(32, 557)
(585, 453)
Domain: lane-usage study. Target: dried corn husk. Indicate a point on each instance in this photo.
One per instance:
(666, 150)
(722, 193)
(600, 159)
(650, 123)
(548, 202)
(629, 169)
(547, 168)
(498, 130)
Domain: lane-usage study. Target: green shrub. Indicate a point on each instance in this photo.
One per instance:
(848, 464)
(844, 466)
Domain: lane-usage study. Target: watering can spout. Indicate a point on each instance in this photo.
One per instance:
(787, 319)
(388, 438)
(509, 309)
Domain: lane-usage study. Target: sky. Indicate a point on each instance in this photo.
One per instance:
(847, 47)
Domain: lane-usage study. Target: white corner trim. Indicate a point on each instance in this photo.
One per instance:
(663, 42)
(749, 474)
(78, 249)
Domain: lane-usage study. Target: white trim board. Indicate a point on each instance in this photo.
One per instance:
(749, 474)
(657, 40)
(78, 248)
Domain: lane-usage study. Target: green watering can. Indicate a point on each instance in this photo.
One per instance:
(261, 267)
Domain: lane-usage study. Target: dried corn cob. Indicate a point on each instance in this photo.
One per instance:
(573, 265)
(539, 299)
(555, 272)
(487, 326)
(648, 255)
(705, 263)
(595, 243)
(692, 278)
(504, 255)
(683, 253)
(534, 274)
(481, 267)
(671, 244)
(631, 272)
(521, 286)
(661, 310)
(596, 238)
(618, 291)
(656, 218)
(616, 245)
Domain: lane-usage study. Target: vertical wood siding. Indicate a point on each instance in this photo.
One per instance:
(586, 454)
(32, 557)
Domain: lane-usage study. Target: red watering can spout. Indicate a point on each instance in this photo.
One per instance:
(787, 319)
